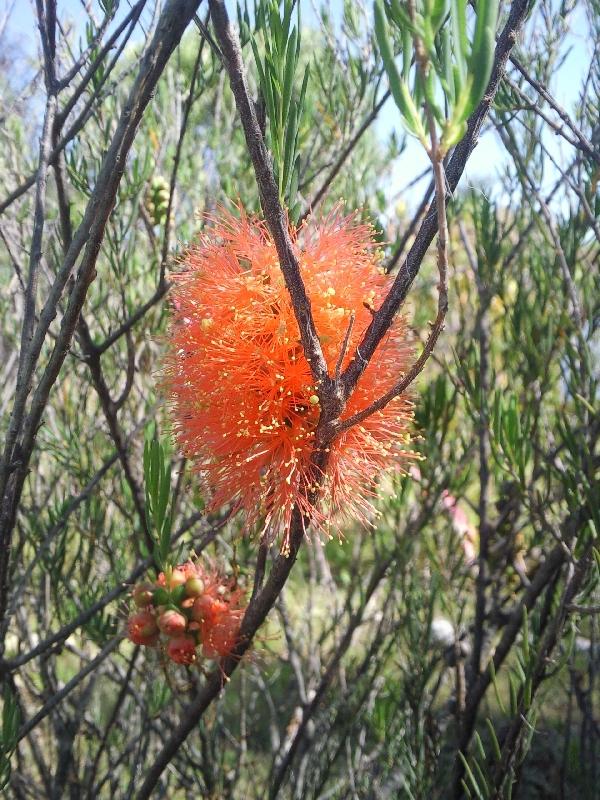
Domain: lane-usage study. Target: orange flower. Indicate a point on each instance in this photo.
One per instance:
(207, 608)
(244, 404)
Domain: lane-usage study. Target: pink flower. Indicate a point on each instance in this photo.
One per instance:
(462, 526)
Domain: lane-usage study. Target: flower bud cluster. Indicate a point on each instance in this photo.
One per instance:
(157, 200)
(190, 611)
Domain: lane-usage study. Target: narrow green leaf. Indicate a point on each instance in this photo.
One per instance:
(526, 651)
(288, 80)
(471, 777)
(459, 25)
(290, 141)
(494, 739)
(482, 53)
(482, 782)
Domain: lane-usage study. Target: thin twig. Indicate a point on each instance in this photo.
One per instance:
(344, 347)
(585, 145)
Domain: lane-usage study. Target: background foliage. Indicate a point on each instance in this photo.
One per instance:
(454, 650)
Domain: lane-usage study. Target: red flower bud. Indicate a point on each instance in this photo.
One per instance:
(182, 650)
(189, 569)
(172, 623)
(143, 594)
(177, 578)
(142, 628)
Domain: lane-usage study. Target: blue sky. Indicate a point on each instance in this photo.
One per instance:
(487, 158)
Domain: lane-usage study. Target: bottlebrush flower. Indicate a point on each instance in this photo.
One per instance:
(142, 628)
(244, 404)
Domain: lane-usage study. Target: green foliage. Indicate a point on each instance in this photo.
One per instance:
(157, 483)
(11, 720)
(277, 71)
(452, 68)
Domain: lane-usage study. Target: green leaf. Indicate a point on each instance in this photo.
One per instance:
(11, 721)
(290, 68)
(459, 26)
(495, 685)
(482, 52)
(526, 652)
(494, 740)
(398, 87)
(471, 777)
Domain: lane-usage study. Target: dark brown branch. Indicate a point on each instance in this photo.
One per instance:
(81, 119)
(549, 641)
(59, 696)
(416, 220)
(78, 63)
(309, 710)
(132, 16)
(72, 506)
(438, 324)
(123, 691)
(177, 157)
(539, 583)
(137, 315)
(485, 529)
(109, 408)
(29, 311)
